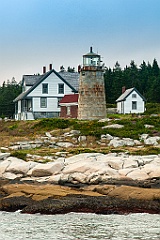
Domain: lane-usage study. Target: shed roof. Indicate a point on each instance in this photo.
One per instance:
(70, 98)
(127, 93)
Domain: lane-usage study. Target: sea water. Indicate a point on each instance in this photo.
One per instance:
(15, 226)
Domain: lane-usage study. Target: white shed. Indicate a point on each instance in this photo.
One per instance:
(130, 101)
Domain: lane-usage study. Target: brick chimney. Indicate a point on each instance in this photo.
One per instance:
(50, 66)
(123, 89)
(44, 69)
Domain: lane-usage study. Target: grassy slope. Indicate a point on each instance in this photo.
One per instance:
(134, 126)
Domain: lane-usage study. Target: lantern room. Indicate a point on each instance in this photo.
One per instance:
(91, 59)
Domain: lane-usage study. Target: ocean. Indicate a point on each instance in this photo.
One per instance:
(79, 226)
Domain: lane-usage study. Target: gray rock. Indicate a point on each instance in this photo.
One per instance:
(138, 174)
(107, 137)
(130, 163)
(77, 177)
(48, 169)
(11, 176)
(128, 141)
(152, 141)
(75, 132)
(82, 138)
(116, 143)
(3, 156)
(3, 166)
(117, 126)
(144, 136)
(48, 135)
(148, 126)
(54, 178)
(64, 144)
(18, 166)
(136, 142)
(15, 148)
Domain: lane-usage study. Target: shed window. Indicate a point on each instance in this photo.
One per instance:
(134, 95)
(134, 105)
(43, 102)
(45, 88)
(61, 88)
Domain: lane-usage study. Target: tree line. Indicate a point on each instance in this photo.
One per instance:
(145, 78)
(8, 92)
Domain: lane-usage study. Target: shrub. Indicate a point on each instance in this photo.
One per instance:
(19, 154)
(152, 108)
(53, 123)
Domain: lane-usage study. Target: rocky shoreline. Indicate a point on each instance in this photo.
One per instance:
(89, 182)
(55, 199)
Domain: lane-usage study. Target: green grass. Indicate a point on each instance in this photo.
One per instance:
(22, 154)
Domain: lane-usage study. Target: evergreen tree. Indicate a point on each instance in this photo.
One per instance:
(8, 92)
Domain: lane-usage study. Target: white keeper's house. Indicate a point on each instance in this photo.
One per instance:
(41, 94)
(130, 101)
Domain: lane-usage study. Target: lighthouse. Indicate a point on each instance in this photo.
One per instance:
(91, 101)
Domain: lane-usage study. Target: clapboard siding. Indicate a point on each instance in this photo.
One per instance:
(53, 82)
(125, 106)
(52, 105)
(31, 98)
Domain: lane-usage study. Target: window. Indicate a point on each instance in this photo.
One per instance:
(58, 100)
(134, 95)
(45, 88)
(134, 105)
(61, 88)
(68, 110)
(43, 114)
(43, 102)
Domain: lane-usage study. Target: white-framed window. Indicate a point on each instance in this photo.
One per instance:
(134, 105)
(61, 88)
(134, 95)
(45, 88)
(43, 102)
(68, 110)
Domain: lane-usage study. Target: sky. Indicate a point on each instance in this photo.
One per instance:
(35, 33)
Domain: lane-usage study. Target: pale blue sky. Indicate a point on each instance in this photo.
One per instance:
(35, 33)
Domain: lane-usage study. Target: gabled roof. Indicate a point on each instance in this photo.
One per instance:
(68, 81)
(72, 78)
(70, 98)
(30, 80)
(127, 93)
(91, 54)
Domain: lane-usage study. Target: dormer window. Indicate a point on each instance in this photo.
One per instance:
(134, 95)
(45, 88)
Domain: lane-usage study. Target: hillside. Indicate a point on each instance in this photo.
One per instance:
(82, 136)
